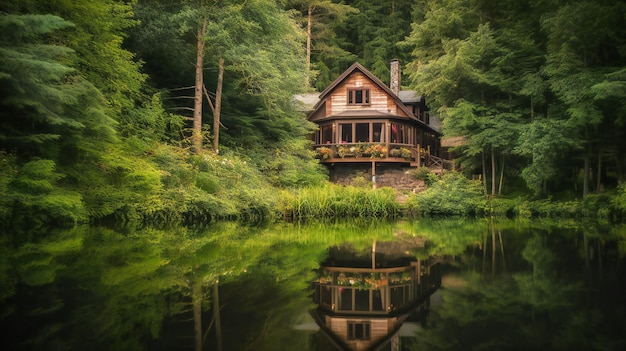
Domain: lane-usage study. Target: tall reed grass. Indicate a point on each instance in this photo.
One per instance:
(336, 201)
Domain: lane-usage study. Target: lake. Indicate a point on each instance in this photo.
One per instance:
(436, 284)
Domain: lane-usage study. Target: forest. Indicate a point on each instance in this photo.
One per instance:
(183, 110)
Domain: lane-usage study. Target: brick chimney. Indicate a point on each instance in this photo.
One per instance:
(394, 83)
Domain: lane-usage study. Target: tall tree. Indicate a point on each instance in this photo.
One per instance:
(256, 44)
(319, 17)
(580, 51)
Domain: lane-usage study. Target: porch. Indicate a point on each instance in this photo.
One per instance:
(413, 155)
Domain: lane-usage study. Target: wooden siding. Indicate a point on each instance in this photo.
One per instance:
(379, 329)
(379, 100)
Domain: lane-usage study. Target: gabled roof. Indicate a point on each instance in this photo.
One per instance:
(411, 96)
(357, 66)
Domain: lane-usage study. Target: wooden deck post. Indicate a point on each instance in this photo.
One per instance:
(419, 155)
(374, 186)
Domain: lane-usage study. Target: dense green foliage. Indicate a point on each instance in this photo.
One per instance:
(527, 83)
(95, 105)
(451, 195)
(86, 136)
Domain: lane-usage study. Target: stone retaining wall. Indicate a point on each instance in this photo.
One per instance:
(387, 175)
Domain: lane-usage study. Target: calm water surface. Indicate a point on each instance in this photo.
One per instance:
(421, 285)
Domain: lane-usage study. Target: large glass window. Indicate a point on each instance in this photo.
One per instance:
(362, 132)
(346, 132)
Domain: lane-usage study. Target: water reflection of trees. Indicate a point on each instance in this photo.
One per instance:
(559, 291)
(97, 288)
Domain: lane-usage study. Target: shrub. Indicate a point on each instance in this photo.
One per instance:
(424, 174)
(501, 207)
(361, 182)
(452, 195)
(618, 201)
(207, 183)
(547, 208)
(325, 152)
(405, 153)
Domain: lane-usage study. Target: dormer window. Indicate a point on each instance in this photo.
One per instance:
(358, 97)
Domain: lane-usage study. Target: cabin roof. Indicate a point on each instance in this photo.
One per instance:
(307, 101)
(409, 95)
(357, 66)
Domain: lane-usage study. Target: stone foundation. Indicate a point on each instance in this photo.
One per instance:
(387, 175)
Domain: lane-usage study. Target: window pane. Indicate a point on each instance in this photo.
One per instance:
(358, 96)
(403, 134)
(327, 134)
(367, 96)
(327, 296)
(362, 300)
(362, 132)
(359, 331)
(378, 132)
(395, 133)
(377, 301)
(397, 297)
(346, 132)
(345, 299)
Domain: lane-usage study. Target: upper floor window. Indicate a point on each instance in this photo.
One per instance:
(358, 97)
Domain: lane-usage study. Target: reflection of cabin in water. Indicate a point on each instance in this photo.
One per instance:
(364, 301)
(363, 123)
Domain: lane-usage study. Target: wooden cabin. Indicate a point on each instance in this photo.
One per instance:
(362, 306)
(363, 122)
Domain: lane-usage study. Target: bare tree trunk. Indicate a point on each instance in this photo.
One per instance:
(218, 106)
(502, 251)
(501, 176)
(484, 173)
(217, 315)
(197, 104)
(308, 42)
(493, 172)
(586, 178)
(493, 249)
(598, 184)
(197, 315)
(484, 251)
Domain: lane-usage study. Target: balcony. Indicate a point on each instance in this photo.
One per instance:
(368, 152)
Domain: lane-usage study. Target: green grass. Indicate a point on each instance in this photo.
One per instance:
(336, 201)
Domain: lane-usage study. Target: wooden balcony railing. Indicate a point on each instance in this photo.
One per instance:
(408, 152)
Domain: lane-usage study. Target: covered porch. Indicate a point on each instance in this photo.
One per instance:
(376, 140)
